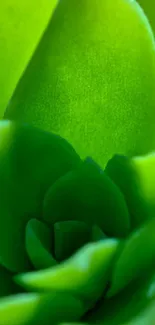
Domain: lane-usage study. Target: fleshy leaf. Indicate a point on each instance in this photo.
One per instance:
(34, 309)
(87, 195)
(39, 244)
(22, 25)
(85, 274)
(136, 259)
(92, 79)
(30, 161)
(133, 306)
(136, 179)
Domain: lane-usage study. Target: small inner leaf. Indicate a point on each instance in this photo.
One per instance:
(97, 234)
(69, 237)
(38, 244)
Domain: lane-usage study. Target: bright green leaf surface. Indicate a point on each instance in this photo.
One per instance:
(34, 309)
(92, 79)
(87, 195)
(136, 258)
(22, 24)
(136, 179)
(85, 274)
(30, 161)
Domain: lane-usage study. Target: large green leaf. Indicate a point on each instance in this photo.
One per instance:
(22, 25)
(92, 79)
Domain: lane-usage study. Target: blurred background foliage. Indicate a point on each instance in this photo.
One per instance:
(22, 24)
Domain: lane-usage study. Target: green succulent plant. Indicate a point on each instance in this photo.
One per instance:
(77, 162)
